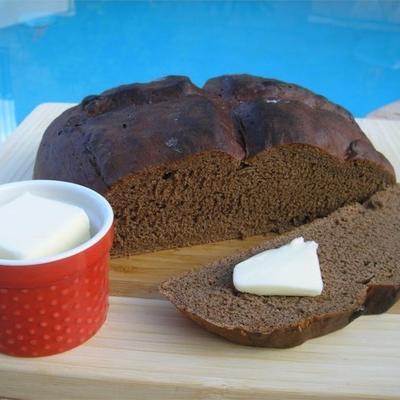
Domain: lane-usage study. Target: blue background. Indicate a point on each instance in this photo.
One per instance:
(345, 51)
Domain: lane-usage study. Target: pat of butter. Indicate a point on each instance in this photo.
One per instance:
(32, 226)
(290, 270)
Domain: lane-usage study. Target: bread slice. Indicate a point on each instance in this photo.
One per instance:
(182, 165)
(359, 252)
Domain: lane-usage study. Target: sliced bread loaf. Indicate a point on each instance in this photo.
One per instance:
(182, 165)
(359, 252)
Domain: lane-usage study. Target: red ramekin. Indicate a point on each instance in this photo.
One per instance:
(52, 304)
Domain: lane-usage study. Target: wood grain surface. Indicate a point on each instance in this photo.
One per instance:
(147, 350)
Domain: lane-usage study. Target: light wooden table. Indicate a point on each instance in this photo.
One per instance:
(146, 350)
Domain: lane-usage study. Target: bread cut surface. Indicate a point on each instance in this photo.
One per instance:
(182, 165)
(359, 255)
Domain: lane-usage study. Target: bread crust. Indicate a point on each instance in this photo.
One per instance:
(269, 113)
(136, 127)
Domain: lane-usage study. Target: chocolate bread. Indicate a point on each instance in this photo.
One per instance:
(359, 255)
(182, 165)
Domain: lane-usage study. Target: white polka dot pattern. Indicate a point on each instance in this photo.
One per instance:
(48, 320)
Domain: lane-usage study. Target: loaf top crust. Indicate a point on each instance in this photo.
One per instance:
(136, 127)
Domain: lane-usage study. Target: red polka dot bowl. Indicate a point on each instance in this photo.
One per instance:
(53, 304)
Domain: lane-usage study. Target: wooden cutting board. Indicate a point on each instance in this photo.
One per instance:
(146, 350)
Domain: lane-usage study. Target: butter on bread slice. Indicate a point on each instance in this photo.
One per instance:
(359, 255)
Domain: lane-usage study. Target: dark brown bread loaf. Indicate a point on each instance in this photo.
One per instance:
(182, 165)
(359, 256)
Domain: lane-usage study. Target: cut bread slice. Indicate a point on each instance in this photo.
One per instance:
(359, 253)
